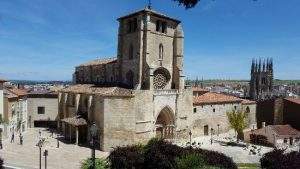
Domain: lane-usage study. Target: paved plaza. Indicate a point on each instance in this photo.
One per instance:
(26, 156)
(238, 154)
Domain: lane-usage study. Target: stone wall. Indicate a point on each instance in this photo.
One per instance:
(212, 115)
(51, 109)
(119, 122)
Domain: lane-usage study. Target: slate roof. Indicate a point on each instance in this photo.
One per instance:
(93, 89)
(100, 62)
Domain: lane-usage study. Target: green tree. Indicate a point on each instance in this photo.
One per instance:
(188, 3)
(99, 164)
(237, 121)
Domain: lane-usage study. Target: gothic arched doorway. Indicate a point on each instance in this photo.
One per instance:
(165, 124)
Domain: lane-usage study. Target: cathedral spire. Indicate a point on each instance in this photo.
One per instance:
(259, 65)
(253, 66)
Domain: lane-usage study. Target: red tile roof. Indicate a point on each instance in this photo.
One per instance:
(215, 98)
(100, 62)
(2, 81)
(284, 130)
(297, 101)
(19, 92)
(245, 101)
(101, 91)
(199, 89)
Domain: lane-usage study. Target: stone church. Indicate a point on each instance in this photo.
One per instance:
(261, 83)
(138, 95)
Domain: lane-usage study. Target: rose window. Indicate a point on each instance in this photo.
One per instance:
(161, 78)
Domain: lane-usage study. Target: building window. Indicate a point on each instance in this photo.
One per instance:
(164, 27)
(132, 25)
(130, 52)
(195, 109)
(285, 140)
(41, 110)
(161, 26)
(161, 52)
(234, 107)
(214, 110)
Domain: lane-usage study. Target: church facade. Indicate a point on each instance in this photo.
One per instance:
(136, 96)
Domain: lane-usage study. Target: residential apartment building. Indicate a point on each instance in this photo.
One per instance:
(42, 108)
(15, 111)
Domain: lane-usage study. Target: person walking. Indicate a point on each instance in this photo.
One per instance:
(1, 146)
(12, 138)
(21, 139)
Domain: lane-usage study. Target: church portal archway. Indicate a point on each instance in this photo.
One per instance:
(165, 124)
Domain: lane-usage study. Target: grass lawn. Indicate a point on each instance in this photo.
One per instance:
(249, 166)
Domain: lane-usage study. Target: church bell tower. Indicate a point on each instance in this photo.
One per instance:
(150, 51)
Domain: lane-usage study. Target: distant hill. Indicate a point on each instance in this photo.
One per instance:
(218, 81)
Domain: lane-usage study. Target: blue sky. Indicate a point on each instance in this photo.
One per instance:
(46, 39)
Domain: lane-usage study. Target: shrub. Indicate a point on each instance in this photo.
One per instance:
(260, 140)
(213, 158)
(191, 161)
(159, 154)
(127, 157)
(278, 159)
(99, 163)
(1, 163)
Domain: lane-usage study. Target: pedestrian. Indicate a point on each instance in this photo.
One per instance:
(12, 138)
(21, 139)
(51, 133)
(1, 146)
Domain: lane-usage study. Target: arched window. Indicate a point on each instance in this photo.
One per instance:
(161, 52)
(130, 52)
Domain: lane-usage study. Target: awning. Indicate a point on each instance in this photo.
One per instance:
(75, 121)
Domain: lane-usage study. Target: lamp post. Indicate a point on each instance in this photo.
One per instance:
(211, 134)
(93, 132)
(46, 154)
(218, 129)
(190, 134)
(40, 145)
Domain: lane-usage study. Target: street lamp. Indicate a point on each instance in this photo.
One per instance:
(93, 133)
(40, 145)
(211, 134)
(218, 129)
(46, 154)
(190, 134)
